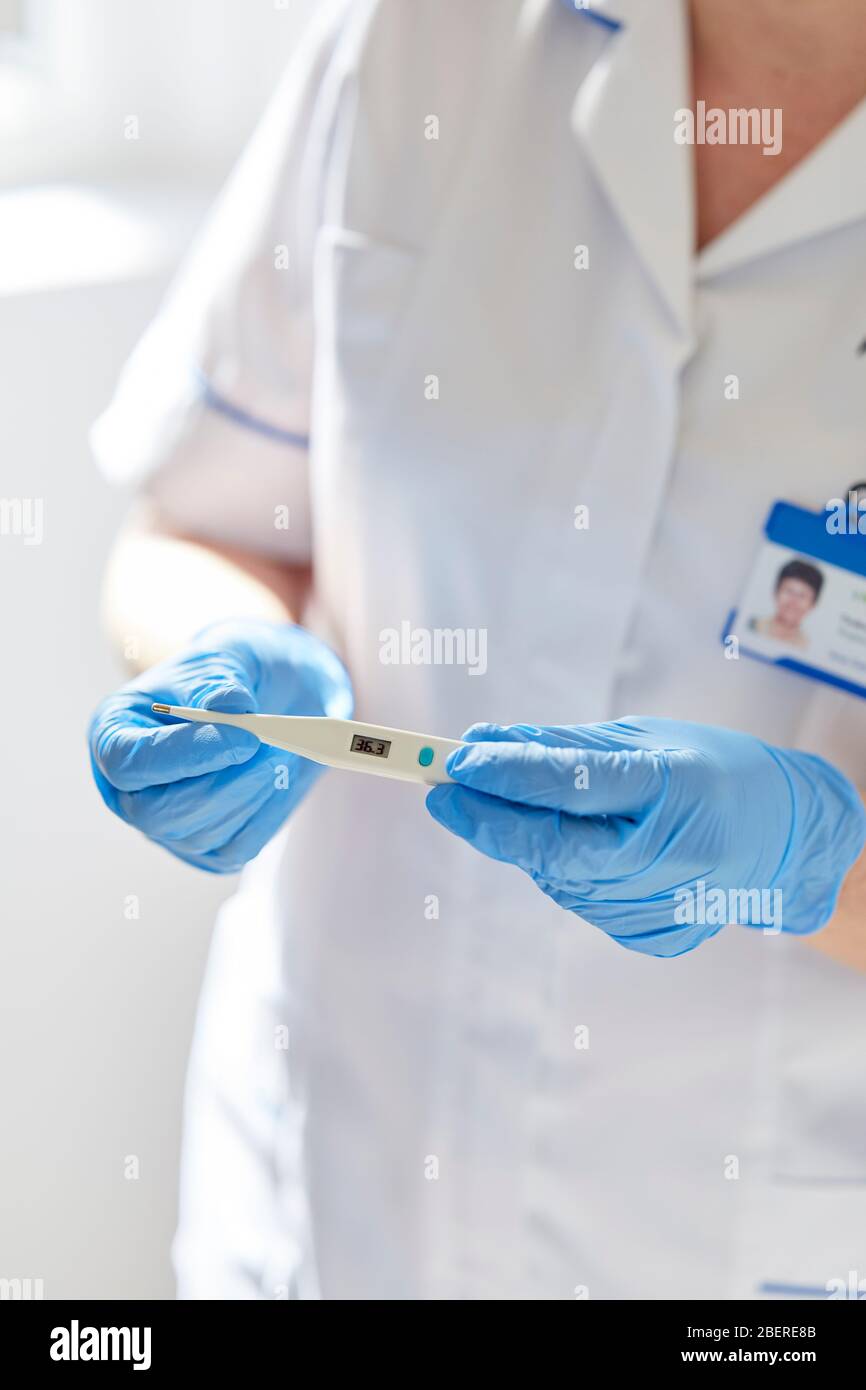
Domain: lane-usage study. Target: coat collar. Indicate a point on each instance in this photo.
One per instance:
(623, 117)
(825, 190)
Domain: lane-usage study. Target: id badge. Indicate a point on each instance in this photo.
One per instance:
(804, 605)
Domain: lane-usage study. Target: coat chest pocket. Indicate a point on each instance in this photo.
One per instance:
(363, 287)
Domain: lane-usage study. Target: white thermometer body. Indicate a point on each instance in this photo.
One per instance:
(343, 743)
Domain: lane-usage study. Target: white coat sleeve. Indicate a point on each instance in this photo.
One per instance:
(211, 415)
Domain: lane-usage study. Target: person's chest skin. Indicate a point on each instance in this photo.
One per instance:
(731, 177)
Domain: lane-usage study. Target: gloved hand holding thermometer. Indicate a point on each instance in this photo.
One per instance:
(211, 794)
(636, 825)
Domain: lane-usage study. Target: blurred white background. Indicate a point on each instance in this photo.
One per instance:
(96, 1008)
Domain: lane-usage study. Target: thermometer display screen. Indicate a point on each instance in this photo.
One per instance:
(378, 747)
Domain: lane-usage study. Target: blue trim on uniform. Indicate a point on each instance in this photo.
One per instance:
(793, 1290)
(243, 418)
(605, 20)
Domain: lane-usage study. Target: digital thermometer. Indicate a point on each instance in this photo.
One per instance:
(343, 743)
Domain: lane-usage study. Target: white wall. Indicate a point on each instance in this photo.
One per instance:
(95, 1009)
(194, 74)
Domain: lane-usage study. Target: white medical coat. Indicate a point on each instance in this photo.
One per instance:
(383, 327)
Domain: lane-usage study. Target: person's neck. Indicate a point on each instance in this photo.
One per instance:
(803, 58)
(792, 37)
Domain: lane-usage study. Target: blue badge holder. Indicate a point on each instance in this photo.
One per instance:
(807, 533)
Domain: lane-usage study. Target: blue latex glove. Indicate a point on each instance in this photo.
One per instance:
(646, 826)
(211, 794)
